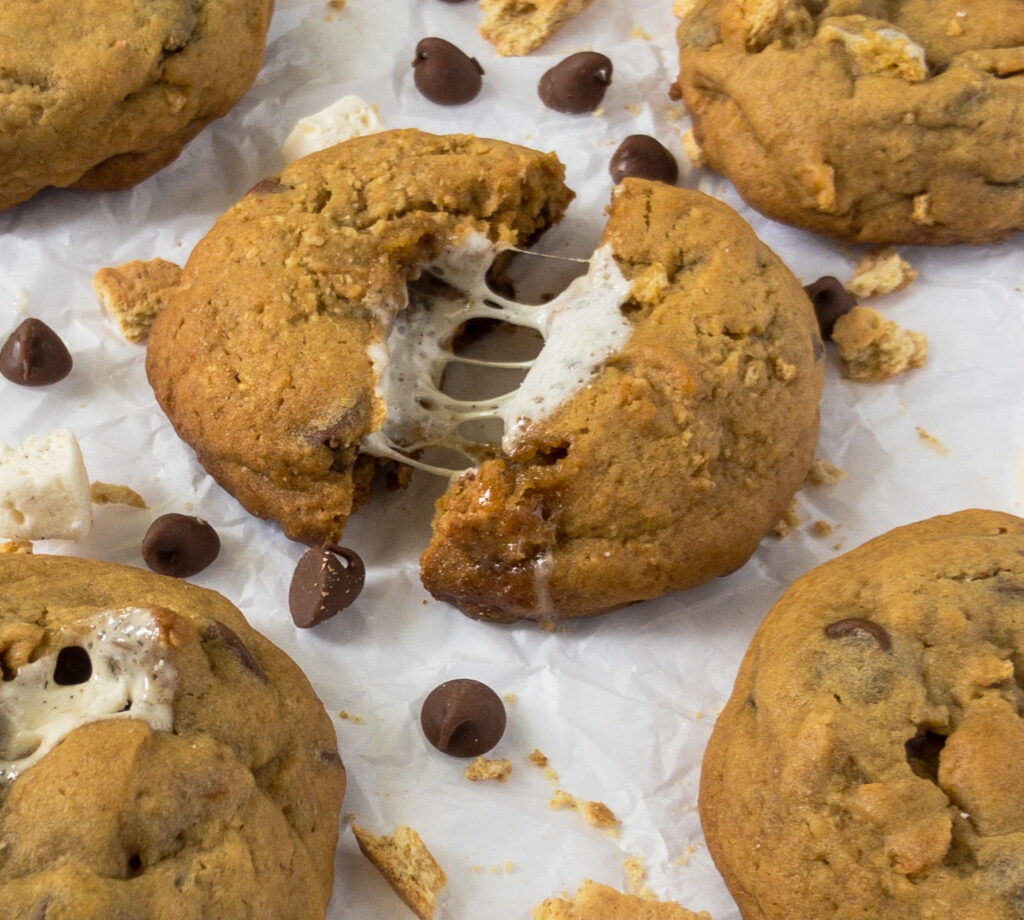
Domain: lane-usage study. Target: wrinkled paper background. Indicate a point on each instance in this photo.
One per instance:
(623, 704)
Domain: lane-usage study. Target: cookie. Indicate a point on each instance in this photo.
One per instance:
(869, 760)
(651, 455)
(102, 95)
(159, 757)
(861, 120)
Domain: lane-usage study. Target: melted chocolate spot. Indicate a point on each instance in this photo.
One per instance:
(34, 355)
(576, 84)
(325, 582)
(444, 73)
(463, 718)
(863, 629)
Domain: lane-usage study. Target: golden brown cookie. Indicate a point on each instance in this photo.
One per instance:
(701, 363)
(101, 95)
(869, 760)
(863, 120)
(159, 758)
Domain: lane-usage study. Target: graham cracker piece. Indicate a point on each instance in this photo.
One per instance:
(109, 493)
(482, 768)
(881, 271)
(134, 293)
(594, 901)
(407, 866)
(516, 28)
(874, 348)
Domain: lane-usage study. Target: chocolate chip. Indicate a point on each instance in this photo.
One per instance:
(325, 582)
(831, 300)
(463, 718)
(179, 545)
(858, 628)
(34, 355)
(445, 74)
(577, 84)
(216, 631)
(74, 666)
(643, 157)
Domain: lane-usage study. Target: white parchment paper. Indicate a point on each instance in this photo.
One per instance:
(623, 704)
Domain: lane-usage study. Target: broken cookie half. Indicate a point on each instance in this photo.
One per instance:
(662, 427)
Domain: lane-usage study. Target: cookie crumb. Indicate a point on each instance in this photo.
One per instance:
(920, 214)
(821, 528)
(516, 28)
(108, 493)
(787, 523)
(693, 150)
(350, 717)
(873, 348)
(407, 866)
(593, 901)
(16, 546)
(134, 293)
(482, 769)
(510, 697)
(537, 758)
(823, 473)
(337, 5)
(881, 271)
(636, 876)
(596, 814)
(931, 440)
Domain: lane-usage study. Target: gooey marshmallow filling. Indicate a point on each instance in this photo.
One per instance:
(130, 676)
(581, 328)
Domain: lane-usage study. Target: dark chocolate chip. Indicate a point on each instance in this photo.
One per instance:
(856, 627)
(74, 666)
(577, 84)
(643, 157)
(445, 74)
(34, 355)
(179, 545)
(463, 718)
(325, 582)
(216, 631)
(831, 300)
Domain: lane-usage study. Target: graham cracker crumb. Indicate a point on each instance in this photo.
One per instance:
(407, 866)
(594, 901)
(596, 814)
(135, 293)
(873, 51)
(823, 473)
(693, 150)
(537, 758)
(787, 523)
(636, 876)
(821, 528)
(482, 768)
(106, 493)
(881, 271)
(16, 546)
(338, 5)
(350, 717)
(516, 28)
(921, 213)
(510, 697)
(873, 348)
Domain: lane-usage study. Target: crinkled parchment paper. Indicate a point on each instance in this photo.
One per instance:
(623, 704)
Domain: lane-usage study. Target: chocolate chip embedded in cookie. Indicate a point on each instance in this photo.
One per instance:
(159, 757)
(102, 95)
(860, 120)
(872, 752)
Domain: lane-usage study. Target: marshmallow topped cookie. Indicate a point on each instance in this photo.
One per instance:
(876, 122)
(870, 761)
(660, 432)
(102, 94)
(158, 757)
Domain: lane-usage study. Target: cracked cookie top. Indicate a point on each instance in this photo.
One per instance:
(871, 121)
(103, 94)
(869, 760)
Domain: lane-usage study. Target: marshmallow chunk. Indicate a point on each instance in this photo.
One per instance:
(349, 117)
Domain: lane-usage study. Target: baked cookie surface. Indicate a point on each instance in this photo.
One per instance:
(102, 94)
(866, 121)
(159, 757)
(868, 762)
(690, 405)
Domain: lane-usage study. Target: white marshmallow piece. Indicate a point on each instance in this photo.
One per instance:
(349, 117)
(44, 489)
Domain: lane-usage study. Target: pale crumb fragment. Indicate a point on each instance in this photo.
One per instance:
(516, 28)
(482, 769)
(338, 5)
(16, 546)
(787, 523)
(537, 758)
(693, 150)
(686, 858)
(596, 814)
(873, 348)
(350, 717)
(636, 876)
(921, 213)
(407, 866)
(821, 528)
(510, 697)
(881, 271)
(931, 440)
(135, 293)
(875, 50)
(638, 32)
(108, 493)
(823, 473)
(594, 901)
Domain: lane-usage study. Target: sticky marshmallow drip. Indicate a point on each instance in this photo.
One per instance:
(132, 678)
(581, 328)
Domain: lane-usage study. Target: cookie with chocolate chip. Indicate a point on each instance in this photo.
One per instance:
(158, 756)
(870, 761)
(863, 120)
(102, 95)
